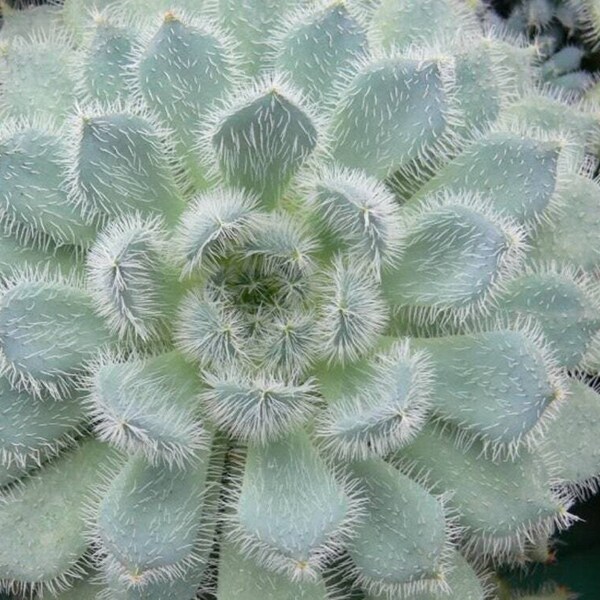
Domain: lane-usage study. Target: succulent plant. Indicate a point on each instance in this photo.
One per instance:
(566, 33)
(295, 297)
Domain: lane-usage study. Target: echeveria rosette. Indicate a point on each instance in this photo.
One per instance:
(292, 301)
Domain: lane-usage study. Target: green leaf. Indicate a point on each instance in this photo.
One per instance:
(461, 579)
(242, 577)
(318, 47)
(497, 386)
(190, 577)
(251, 24)
(482, 489)
(261, 140)
(83, 589)
(16, 255)
(570, 236)
(360, 213)
(255, 407)
(120, 166)
(34, 198)
(400, 546)
(48, 508)
(454, 254)
(131, 283)
(572, 440)
(148, 405)
(384, 412)
(400, 23)
(567, 308)
(374, 131)
(48, 330)
(291, 512)
(520, 173)
(36, 77)
(34, 428)
(181, 70)
(106, 62)
(29, 22)
(149, 521)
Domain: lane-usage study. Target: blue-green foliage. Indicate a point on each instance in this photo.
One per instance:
(293, 298)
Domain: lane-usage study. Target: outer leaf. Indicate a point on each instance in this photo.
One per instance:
(48, 330)
(499, 386)
(149, 521)
(317, 48)
(251, 23)
(34, 428)
(36, 77)
(566, 306)
(291, 511)
(242, 577)
(400, 547)
(181, 69)
(404, 22)
(120, 166)
(454, 255)
(371, 129)
(521, 173)
(482, 490)
(571, 440)
(105, 62)
(570, 237)
(461, 579)
(33, 197)
(48, 508)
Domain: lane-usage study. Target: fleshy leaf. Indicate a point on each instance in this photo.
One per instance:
(319, 47)
(149, 405)
(291, 510)
(461, 579)
(35, 428)
(262, 139)
(353, 313)
(181, 70)
(106, 62)
(482, 489)
(520, 173)
(400, 546)
(29, 22)
(251, 23)
(131, 283)
(374, 131)
(386, 410)
(405, 22)
(254, 407)
(454, 253)
(570, 237)
(121, 166)
(33, 197)
(36, 77)
(242, 577)
(566, 306)
(359, 212)
(149, 520)
(48, 330)
(16, 255)
(494, 385)
(48, 508)
(572, 440)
